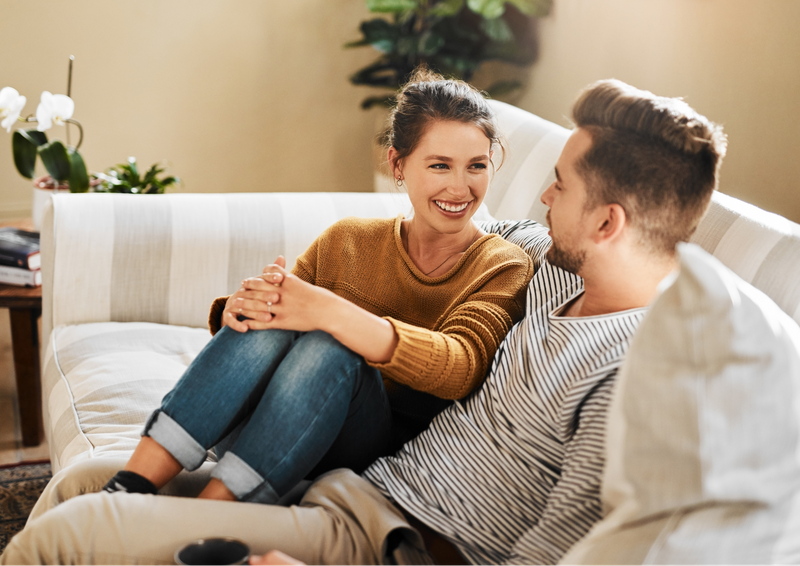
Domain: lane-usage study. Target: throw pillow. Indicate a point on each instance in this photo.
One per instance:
(703, 436)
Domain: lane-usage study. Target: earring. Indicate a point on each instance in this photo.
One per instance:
(398, 182)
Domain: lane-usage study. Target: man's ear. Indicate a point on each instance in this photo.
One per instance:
(610, 223)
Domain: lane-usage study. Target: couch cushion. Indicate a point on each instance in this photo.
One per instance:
(703, 441)
(102, 380)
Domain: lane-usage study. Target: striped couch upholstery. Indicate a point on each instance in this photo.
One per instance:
(128, 279)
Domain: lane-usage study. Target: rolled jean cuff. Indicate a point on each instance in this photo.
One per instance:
(243, 481)
(175, 440)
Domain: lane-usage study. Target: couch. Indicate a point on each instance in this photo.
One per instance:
(128, 280)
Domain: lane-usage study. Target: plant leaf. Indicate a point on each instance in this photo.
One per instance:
(533, 7)
(391, 6)
(430, 43)
(78, 178)
(25, 152)
(56, 160)
(385, 101)
(497, 30)
(489, 9)
(34, 136)
(447, 8)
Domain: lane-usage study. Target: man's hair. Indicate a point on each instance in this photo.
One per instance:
(654, 156)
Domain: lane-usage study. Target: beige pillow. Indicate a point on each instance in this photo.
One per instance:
(703, 437)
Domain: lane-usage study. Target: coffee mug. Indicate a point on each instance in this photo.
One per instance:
(213, 551)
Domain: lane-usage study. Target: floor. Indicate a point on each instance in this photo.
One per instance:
(11, 449)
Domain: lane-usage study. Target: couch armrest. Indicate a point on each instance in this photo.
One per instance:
(163, 258)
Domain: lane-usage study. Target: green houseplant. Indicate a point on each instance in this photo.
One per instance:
(125, 178)
(453, 37)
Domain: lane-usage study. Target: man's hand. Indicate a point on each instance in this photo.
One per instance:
(274, 557)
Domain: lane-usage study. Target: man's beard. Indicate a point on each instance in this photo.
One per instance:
(571, 261)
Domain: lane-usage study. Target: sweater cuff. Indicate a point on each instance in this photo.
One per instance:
(215, 314)
(424, 360)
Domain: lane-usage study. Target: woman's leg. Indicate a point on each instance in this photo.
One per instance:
(321, 393)
(219, 388)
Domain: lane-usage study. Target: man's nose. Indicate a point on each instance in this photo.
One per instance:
(547, 195)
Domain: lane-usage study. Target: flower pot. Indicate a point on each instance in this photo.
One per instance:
(43, 188)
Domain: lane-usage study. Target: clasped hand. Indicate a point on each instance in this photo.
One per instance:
(276, 299)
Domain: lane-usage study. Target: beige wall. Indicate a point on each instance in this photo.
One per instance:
(736, 61)
(239, 95)
(252, 95)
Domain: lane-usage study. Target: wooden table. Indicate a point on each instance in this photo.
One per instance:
(25, 307)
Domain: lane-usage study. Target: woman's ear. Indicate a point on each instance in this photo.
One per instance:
(394, 163)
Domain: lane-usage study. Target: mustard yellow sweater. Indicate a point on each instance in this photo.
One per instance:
(449, 327)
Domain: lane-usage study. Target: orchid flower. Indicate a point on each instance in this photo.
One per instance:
(56, 108)
(11, 104)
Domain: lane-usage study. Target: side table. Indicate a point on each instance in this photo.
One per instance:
(25, 307)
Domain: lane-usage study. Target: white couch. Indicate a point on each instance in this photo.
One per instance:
(128, 280)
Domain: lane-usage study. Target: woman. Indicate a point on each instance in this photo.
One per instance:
(354, 351)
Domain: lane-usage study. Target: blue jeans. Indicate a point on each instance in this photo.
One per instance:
(285, 404)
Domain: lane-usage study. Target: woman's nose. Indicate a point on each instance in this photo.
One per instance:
(459, 187)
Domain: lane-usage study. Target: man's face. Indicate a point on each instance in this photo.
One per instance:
(566, 198)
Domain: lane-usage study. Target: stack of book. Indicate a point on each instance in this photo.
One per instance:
(20, 261)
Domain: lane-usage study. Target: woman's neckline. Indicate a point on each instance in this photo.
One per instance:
(401, 246)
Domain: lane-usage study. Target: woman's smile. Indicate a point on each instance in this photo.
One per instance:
(452, 208)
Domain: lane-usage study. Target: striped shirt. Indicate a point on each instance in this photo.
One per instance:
(512, 472)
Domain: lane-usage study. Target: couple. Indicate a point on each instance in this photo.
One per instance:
(508, 473)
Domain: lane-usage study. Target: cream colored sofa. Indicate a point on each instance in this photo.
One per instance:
(128, 280)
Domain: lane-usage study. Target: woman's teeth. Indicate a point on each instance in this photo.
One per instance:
(451, 207)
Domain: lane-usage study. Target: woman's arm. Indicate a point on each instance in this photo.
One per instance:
(298, 305)
(448, 363)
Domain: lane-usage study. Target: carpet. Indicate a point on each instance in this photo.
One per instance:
(20, 487)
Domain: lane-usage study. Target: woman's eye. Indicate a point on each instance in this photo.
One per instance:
(479, 165)
(439, 166)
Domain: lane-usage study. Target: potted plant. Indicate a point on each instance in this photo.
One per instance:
(63, 162)
(125, 178)
(453, 37)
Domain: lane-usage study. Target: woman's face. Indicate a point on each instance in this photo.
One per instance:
(447, 175)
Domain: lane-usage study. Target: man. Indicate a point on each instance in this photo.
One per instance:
(511, 473)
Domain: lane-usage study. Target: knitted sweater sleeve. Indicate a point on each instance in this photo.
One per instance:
(453, 360)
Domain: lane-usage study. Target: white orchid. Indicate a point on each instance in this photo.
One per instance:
(56, 108)
(11, 104)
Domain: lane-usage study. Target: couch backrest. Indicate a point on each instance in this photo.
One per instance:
(164, 258)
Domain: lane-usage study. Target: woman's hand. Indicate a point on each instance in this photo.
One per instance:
(279, 299)
(283, 300)
(274, 558)
(254, 298)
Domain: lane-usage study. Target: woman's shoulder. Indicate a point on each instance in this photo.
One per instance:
(498, 249)
(359, 229)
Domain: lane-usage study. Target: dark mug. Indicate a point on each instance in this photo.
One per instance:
(213, 551)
